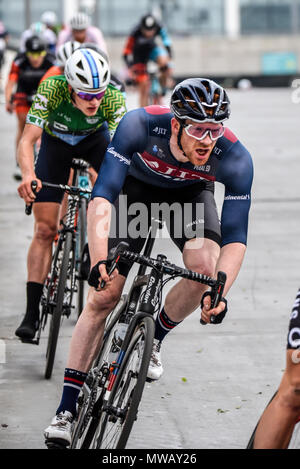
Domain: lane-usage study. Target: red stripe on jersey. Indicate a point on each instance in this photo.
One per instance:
(230, 135)
(156, 110)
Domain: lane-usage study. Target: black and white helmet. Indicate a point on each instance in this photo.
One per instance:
(201, 100)
(80, 21)
(65, 51)
(88, 71)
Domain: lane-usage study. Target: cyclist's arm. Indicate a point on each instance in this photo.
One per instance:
(29, 137)
(128, 49)
(12, 80)
(166, 40)
(129, 138)
(236, 173)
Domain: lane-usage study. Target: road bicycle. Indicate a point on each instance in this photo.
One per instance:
(294, 442)
(64, 278)
(108, 403)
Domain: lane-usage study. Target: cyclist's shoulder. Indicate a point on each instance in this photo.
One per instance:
(56, 82)
(231, 145)
(236, 164)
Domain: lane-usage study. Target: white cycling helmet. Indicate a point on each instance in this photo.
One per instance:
(49, 18)
(38, 28)
(80, 21)
(65, 51)
(87, 71)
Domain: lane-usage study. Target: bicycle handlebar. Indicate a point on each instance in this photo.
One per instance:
(72, 190)
(217, 285)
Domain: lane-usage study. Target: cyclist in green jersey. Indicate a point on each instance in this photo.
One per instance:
(75, 115)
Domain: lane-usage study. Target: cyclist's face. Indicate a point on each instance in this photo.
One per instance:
(36, 60)
(148, 33)
(197, 151)
(89, 108)
(79, 35)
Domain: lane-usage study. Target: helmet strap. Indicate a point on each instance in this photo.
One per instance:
(179, 135)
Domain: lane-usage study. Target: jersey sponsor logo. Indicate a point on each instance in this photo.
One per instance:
(40, 107)
(160, 131)
(122, 158)
(205, 169)
(237, 197)
(294, 337)
(160, 153)
(59, 126)
(168, 170)
(35, 120)
(92, 120)
(42, 98)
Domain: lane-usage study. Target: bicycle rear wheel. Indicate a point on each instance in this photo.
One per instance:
(58, 308)
(119, 413)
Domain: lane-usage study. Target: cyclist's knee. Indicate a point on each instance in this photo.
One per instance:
(44, 232)
(289, 394)
(102, 302)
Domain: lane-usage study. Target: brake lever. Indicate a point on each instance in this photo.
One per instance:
(217, 293)
(28, 208)
(114, 257)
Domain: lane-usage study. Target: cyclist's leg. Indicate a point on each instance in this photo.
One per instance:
(160, 56)
(52, 166)
(200, 248)
(277, 423)
(141, 79)
(278, 420)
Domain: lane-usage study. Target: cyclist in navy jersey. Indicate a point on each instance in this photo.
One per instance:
(164, 156)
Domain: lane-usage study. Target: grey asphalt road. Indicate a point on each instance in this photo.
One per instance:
(217, 379)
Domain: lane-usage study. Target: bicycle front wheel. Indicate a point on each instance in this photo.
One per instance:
(119, 413)
(58, 308)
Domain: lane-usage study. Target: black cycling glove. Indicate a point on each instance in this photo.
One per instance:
(218, 318)
(94, 275)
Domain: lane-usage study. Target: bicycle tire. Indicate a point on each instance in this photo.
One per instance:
(86, 425)
(57, 310)
(82, 226)
(144, 332)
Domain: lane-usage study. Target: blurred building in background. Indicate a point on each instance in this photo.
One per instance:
(221, 38)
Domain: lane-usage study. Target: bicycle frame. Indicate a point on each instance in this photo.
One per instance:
(70, 225)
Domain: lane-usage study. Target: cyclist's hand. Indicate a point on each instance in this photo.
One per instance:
(214, 315)
(25, 190)
(98, 274)
(9, 107)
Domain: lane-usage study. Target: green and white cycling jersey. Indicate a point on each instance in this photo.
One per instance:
(53, 111)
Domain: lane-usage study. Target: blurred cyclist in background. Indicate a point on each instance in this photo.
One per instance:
(62, 54)
(25, 74)
(41, 30)
(80, 30)
(49, 19)
(140, 48)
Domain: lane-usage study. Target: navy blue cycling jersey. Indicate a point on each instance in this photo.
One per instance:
(140, 147)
